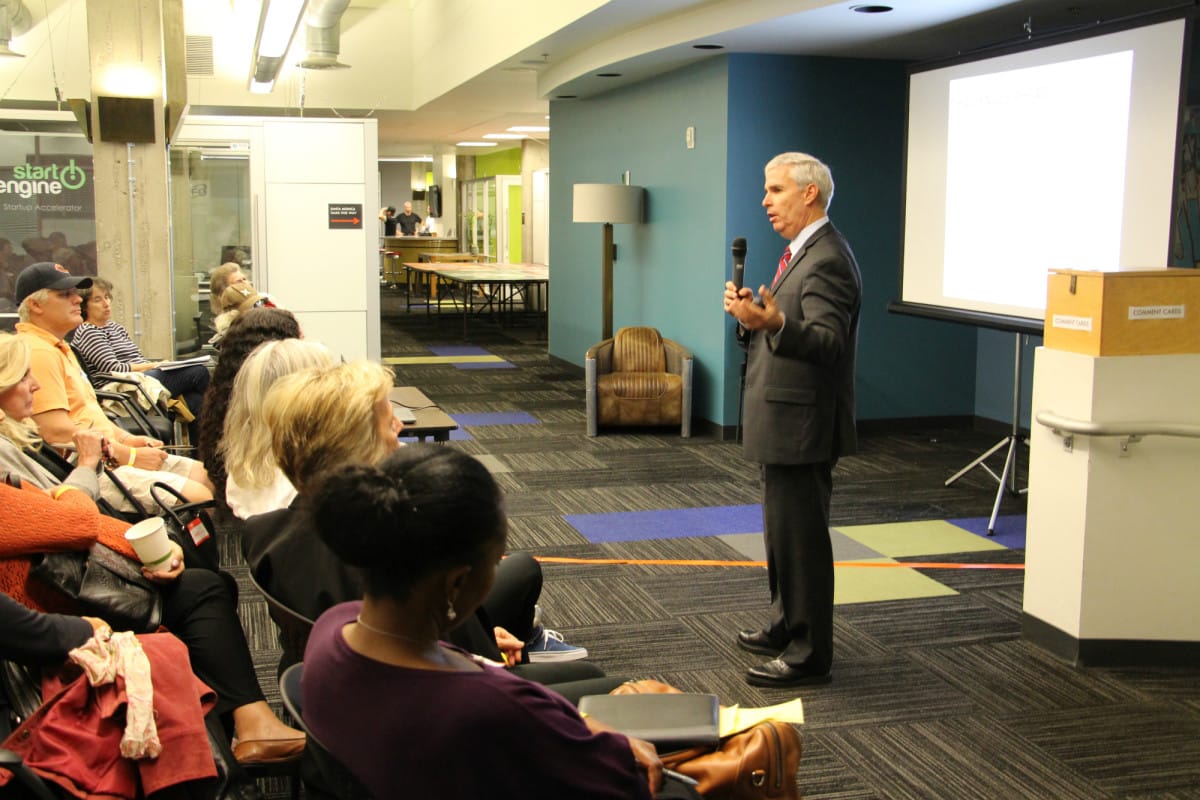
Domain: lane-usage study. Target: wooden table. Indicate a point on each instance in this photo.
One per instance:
(431, 422)
(500, 287)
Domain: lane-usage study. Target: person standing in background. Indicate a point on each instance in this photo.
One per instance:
(801, 335)
(408, 221)
(387, 215)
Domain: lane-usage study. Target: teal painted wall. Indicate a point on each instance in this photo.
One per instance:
(669, 271)
(850, 114)
(994, 375)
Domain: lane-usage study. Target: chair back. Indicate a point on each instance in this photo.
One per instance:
(639, 349)
(324, 776)
(294, 627)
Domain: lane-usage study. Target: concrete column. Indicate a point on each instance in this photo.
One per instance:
(136, 50)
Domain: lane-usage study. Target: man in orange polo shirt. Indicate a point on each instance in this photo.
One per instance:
(48, 304)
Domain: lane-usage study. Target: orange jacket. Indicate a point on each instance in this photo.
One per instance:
(32, 522)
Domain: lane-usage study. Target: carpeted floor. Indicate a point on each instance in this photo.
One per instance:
(935, 693)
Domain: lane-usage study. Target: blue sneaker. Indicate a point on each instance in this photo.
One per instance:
(548, 646)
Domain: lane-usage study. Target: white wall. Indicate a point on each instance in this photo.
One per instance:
(328, 278)
(1111, 548)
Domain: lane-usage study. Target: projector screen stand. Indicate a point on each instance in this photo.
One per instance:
(1008, 475)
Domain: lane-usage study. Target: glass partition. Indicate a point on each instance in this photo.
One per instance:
(212, 223)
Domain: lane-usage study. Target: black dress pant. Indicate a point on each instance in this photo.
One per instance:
(200, 610)
(800, 562)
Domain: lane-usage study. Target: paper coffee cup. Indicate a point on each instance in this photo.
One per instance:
(151, 542)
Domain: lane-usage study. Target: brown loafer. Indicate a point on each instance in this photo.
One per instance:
(268, 751)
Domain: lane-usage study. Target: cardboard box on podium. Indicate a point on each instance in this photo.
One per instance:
(1125, 312)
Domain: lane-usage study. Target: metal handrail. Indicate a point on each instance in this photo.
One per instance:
(1134, 430)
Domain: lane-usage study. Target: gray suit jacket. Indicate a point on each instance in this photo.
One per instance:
(799, 396)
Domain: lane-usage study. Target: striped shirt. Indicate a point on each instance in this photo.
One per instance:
(106, 349)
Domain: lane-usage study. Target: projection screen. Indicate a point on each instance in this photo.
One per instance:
(1056, 157)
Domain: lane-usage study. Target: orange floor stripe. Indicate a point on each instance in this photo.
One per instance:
(685, 562)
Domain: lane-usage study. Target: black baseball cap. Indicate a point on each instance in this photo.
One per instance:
(47, 275)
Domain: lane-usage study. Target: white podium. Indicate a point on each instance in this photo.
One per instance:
(1113, 535)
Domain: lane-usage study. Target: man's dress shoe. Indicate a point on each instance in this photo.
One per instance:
(758, 642)
(268, 751)
(778, 673)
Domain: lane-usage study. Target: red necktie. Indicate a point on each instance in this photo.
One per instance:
(783, 262)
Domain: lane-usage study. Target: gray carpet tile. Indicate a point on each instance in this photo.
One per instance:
(931, 622)
(965, 580)
(650, 647)
(952, 758)
(1014, 677)
(824, 776)
(1123, 748)
(565, 461)
(691, 590)
(871, 692)
(603, 601)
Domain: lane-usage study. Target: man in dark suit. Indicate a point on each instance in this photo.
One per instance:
(799, 414)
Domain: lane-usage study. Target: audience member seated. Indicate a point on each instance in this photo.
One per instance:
(197, 607)
(321, 419)
(17, 387)
(408, 714)
(65, 402)
(255, 484)
(106, 347)
(73, 715)
(246, 333)
(230, 294)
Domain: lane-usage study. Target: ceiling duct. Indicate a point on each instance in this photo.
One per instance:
(14, 20)
(322, 34)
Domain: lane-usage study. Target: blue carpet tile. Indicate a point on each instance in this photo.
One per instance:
(1010, 530)
(627, 526)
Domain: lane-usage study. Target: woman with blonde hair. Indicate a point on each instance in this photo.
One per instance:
(323, 419)
(17, 434)
(254, 483)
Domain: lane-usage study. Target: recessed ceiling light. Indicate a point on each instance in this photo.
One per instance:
(608, 74)
(529, 128)
(503, 136)
(871, 9)
(475, 144)
(709, 46)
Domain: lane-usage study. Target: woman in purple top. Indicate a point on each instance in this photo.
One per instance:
(409, 715)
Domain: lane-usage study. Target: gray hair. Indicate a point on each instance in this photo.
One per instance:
(41, 296)
(805, 169)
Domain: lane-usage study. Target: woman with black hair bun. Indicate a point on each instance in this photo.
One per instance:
(408, 714)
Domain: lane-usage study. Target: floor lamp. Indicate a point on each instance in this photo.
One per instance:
(608, 203)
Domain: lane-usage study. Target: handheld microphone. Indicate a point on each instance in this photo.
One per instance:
(739, 262)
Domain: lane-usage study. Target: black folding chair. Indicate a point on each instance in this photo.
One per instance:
(158, 423)
(324, 777)
(294, 627)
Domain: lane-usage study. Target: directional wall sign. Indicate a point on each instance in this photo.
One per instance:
(345, 215)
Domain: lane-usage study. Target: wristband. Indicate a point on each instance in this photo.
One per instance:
(132, 456)
(62, 489)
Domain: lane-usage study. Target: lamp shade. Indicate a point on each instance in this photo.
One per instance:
(608, 202)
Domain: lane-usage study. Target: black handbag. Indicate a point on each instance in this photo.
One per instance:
(190, 526)
(104, 584)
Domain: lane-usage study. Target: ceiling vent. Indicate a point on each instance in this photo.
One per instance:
(198, 55)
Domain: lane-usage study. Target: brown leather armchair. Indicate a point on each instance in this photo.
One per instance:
(638, 378)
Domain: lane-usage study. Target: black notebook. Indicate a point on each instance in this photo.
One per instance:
(674, 720)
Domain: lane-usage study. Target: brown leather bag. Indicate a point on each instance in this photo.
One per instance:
(757, 764)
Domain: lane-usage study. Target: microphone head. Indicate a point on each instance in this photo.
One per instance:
(739, 247)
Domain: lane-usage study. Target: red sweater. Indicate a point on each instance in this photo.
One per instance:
(32, 522)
